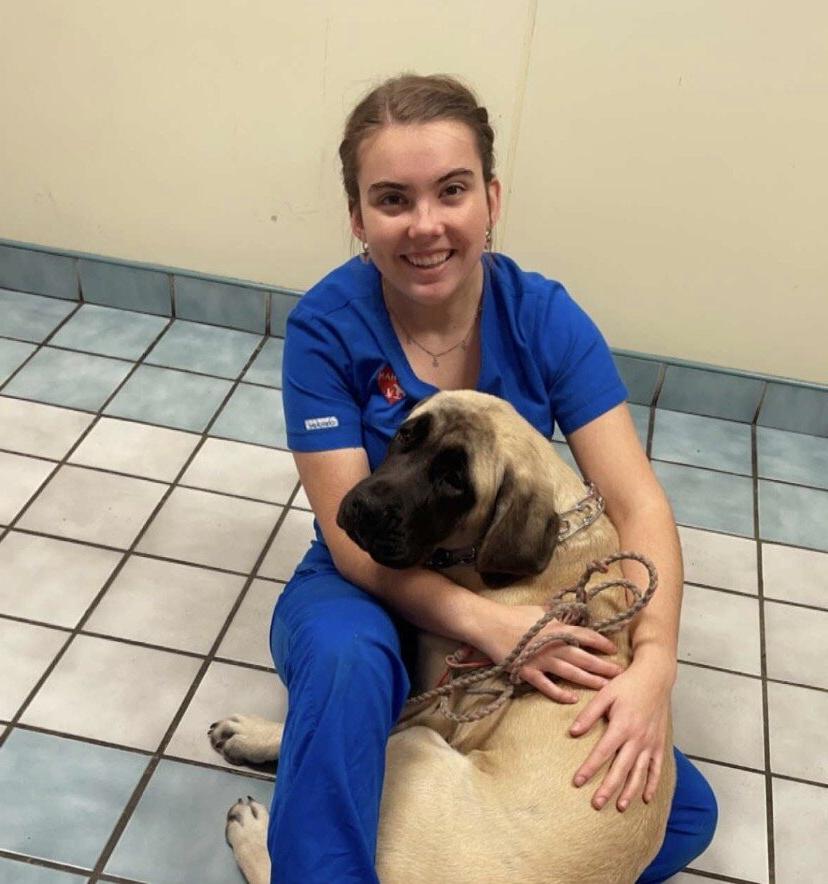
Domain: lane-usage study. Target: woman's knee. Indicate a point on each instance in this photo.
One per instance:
(338, 634)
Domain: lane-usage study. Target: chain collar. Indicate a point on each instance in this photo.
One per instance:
(581, 516)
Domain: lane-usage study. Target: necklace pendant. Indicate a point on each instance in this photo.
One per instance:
(435, 363)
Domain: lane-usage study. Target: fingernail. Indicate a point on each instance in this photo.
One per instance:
(623, 805)
(579, 781)
(600, 801)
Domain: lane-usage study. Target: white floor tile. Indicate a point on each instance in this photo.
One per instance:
(798, 719)
(97, 507)
(718, 716)
(51, 580)
(289, 545)
(43, 430)
(168, 604)
(740, 846)
(795, 575)
(245, 470)
(224, 691)
(136, 449)
(210, 529)
(248, 638)
(720, 629)
(112, 691)
(25, 653)
(719, 560)
(795, 643)
(20, 478)
(800, 817)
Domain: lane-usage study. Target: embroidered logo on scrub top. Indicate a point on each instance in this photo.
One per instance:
(389, 385)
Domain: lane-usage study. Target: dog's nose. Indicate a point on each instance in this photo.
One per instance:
(359, 515)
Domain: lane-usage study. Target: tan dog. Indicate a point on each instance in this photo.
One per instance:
(490, 800)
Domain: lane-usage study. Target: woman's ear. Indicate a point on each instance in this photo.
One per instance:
(522, 534)
(493, 196)
(357, 227)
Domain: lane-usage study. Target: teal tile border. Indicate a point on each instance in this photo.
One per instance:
(796, 408)
(711, 393)
(129, 288)
(641, 377)
(233, 306)
(663, 382)
(39, 273)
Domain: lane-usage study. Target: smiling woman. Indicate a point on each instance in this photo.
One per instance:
(426, 308)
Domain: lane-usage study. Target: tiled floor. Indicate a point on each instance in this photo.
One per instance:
(149, 515)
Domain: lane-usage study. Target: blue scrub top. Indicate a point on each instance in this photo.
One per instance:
(348, 384)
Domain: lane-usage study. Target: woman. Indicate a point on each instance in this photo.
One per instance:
(427, 308)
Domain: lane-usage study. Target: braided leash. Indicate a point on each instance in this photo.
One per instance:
(574, 612)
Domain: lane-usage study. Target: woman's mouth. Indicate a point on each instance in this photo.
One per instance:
(429, 261)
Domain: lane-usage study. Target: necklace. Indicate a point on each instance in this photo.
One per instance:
(436, 356)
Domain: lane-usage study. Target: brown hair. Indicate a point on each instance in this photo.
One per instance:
(413, 99)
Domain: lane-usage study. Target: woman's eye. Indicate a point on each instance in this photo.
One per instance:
(391, 199)
(454, 190)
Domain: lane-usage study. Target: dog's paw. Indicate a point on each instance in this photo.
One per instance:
(246, 739)
(246, 833)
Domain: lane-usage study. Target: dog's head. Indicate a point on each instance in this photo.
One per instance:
(463, 465)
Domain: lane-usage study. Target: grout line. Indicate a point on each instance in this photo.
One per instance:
(139, 790)
(752, 595)
(173, 310)
(147, 423)
(137, 643)
(763, 662)
(43, 863)
(38, 345)
(138, 793)
(715, 876)
(122, 474)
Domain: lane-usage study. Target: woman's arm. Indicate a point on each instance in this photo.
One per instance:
(436, 604)
(637, 704)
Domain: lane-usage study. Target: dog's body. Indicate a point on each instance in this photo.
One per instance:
(489, 800)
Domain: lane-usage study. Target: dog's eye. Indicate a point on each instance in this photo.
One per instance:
(455, 479)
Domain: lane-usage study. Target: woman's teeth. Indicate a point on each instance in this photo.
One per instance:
(430, 260)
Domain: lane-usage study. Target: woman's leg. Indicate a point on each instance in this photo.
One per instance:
(338, 652)
(690, 826)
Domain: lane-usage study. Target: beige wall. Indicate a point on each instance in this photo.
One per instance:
(667, 161)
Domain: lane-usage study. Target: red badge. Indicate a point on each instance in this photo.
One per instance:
(389, 385)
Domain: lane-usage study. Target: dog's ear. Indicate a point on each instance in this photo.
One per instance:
(522, 534)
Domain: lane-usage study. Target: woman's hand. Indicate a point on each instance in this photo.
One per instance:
(579, 665)
(637, 705)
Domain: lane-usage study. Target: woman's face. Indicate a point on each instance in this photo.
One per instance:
(423, 209)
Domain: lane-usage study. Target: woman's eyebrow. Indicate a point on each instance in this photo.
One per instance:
(393, 185)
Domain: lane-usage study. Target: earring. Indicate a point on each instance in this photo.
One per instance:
(489, 239)
(366, 255)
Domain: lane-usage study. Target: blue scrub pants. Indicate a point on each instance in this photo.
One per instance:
(339, 652)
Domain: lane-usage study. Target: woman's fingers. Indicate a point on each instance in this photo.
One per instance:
(570, 672)
(547, 687)
(654, 775)
(591, 662)
(616, 776)
(635, 781)
(589, 638)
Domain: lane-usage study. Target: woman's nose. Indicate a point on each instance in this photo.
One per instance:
(426, 221)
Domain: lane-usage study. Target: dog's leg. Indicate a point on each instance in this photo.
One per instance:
(246, 739)
(246, 833)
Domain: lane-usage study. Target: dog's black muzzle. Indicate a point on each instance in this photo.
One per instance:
(377, 517)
